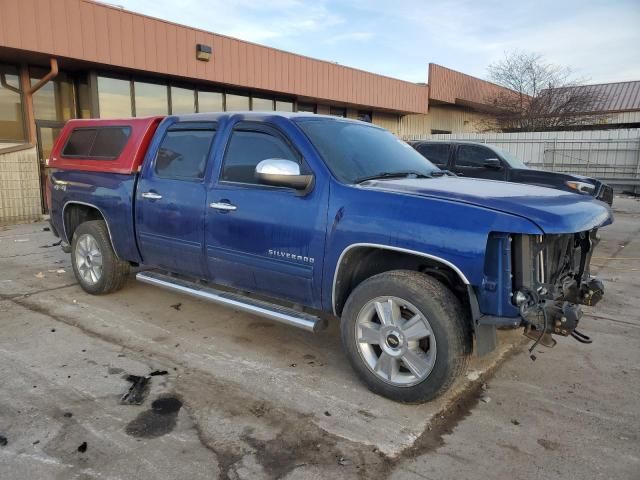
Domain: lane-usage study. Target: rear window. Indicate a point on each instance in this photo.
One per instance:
(99, 143)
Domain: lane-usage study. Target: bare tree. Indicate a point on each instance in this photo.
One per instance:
(539, 95)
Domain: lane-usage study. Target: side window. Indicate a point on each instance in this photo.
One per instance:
(79, 143)
(183, 154)
(100, 143)
(473, 156)
(109, 142)
(248, 148)
(436, 153)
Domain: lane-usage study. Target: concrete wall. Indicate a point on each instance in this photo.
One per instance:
(620, 117)
(20, 198)
(443, 117)
(456, 119)
(389, 121)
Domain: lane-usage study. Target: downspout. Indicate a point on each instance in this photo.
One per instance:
(5, 84)
(53, 73)
(28, 92)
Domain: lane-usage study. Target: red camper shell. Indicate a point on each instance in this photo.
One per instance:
(100, 145)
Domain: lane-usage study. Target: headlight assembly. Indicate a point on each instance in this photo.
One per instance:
(580, 187)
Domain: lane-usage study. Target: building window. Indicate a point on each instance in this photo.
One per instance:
(210, 102)
(84, 98)
(236, 102)
(262, 104)
(55, 99)
(338, 111)
(284, 106)
(365, 116)
(183, 100)
(11, 116)
(436, 132)
(114, 97)
(307, 107)
(150, 99)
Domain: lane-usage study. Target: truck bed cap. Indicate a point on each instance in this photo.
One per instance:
(82, 153)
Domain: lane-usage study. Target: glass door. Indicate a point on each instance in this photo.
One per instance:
(47, 133)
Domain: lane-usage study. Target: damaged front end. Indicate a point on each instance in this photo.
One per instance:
(551, 280)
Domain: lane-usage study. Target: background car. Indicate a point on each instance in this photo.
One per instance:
(479, 160)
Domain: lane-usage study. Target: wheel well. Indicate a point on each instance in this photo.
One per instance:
(75, 214)
(360, 263)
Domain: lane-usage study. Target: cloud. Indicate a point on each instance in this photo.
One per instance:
(246, 19)
(349, 37)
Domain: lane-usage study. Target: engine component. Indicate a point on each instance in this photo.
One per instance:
(551, 281)
(587, 293)
(559, 317)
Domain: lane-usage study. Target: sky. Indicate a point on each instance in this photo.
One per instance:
(598, 40)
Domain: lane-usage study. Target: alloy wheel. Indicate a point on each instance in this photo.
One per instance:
(395, 341)
(88, 259)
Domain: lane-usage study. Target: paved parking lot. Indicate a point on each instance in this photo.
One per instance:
(239, 397)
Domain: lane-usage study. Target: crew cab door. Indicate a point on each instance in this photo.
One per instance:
(171, 198)
(476, 161)
(259, 237)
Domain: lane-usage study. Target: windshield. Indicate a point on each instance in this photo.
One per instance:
(510, 158)
(354, 151)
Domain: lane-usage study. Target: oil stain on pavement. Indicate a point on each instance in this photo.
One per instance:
(157, 421)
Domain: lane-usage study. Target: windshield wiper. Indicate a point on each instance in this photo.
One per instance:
(391, 175)
(442, 173)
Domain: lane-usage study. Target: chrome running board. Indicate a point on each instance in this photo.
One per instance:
(268, 310)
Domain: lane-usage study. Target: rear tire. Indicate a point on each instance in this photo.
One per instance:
(406, 335)
(95, 264)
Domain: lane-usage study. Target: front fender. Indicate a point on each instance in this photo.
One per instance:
(456, 233)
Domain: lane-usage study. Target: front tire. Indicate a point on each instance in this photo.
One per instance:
(406, 335)
(95, 264)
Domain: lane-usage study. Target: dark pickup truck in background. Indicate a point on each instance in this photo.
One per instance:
(299, 217)
(479, 160)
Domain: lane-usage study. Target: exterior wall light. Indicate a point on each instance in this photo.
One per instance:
(203, 52)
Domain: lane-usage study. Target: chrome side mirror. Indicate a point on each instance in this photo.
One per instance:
(282, 173)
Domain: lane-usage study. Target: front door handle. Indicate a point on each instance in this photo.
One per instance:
(151, 196)
(227, 207)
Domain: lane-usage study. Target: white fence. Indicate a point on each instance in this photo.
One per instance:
(610, 155)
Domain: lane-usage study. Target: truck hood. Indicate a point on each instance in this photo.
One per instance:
(565, 176)
(553, 211)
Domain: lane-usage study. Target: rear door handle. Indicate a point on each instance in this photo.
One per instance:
(151, 196)
(227, 207)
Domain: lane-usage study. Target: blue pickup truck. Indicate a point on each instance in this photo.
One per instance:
(303, 218)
